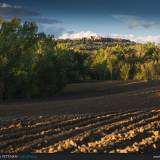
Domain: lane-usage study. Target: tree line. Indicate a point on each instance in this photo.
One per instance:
(33, 64)
(134, 62)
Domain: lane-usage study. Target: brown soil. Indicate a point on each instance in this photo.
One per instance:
(107, 117)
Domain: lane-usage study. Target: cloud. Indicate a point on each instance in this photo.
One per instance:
(51, 29)
(47, 20)
(45, 24)
(135, 21)
(70, 32)
(138, 39)
(8, 10)
(42, 20)
(79, 35)
(131, 37)
(5, 5)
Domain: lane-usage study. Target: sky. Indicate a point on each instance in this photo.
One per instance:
(138, 20)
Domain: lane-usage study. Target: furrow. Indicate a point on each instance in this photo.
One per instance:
(46, 140)
(81, 138)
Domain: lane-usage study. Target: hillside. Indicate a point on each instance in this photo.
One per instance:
(92, 43)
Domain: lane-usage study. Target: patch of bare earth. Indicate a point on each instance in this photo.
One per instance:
(123, 120)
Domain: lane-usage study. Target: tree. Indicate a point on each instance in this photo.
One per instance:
(124, 71)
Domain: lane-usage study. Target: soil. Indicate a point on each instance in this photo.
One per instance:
(92, 117)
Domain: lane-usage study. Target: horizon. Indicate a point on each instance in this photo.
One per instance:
(137, 21)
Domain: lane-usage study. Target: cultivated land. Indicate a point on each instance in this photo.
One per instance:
(107, 117)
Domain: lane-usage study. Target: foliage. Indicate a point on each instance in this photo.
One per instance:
(34, 64)
(31, 63)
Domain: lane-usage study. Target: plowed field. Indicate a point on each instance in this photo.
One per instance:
(123, 119)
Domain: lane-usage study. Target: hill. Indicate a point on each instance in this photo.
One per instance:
(92, 43)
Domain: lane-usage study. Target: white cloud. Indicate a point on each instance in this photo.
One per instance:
(79, 35)
(135, 21)
(9, 11)
(88, 34)
(6, 5)
(139, 39)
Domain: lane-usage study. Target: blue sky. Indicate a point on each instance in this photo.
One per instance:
(105, 17)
